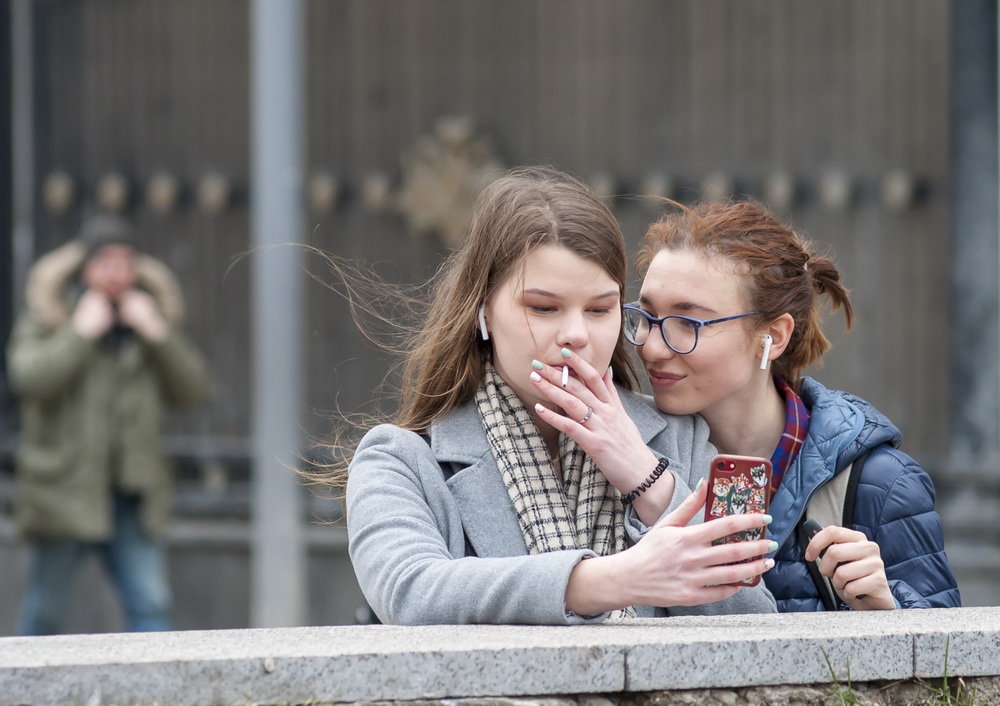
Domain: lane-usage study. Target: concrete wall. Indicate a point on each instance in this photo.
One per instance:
(738, 657)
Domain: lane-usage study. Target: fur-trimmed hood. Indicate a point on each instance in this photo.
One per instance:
(53, 276)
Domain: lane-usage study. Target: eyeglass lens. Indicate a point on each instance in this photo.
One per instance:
(679, 333)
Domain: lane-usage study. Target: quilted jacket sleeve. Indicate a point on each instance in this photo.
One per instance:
(894, 507)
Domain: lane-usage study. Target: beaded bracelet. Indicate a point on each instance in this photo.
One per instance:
(646, 484)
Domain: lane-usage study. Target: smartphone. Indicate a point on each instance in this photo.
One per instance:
(806, 531)
(738, 485)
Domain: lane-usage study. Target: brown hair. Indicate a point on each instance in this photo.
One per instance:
(434, 327)
(520, 211)
(782, 272)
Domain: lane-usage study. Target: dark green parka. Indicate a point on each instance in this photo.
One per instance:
(83, 401)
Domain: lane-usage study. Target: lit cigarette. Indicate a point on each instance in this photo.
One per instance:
(565, 380)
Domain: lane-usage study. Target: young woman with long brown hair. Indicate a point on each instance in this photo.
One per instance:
(470, 508)
(727, 319)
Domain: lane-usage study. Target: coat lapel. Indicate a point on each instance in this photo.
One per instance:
(641, 408)
(488, 517)
(487, 514)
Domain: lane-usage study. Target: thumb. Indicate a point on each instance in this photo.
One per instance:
(684, 512)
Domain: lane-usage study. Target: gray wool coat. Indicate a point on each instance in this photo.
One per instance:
(434, 537)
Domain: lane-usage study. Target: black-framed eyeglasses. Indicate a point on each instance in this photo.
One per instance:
(680, 333)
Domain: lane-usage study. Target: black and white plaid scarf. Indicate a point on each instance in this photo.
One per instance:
(580, 510)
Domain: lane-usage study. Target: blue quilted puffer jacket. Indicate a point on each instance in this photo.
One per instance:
(894, 505)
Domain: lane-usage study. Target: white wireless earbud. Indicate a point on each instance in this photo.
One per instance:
(767, 351)
(482, 323)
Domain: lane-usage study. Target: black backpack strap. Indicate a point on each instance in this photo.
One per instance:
(851, 495)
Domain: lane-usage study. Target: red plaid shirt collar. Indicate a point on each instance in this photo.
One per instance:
(796, 428)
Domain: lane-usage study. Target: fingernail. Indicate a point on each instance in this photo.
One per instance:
(537, 364)
(566, 353)
(768, 564)
(768, 519)
(701, 482)
(611, 373)
(538, 406)
(772, 547)
(535, 377)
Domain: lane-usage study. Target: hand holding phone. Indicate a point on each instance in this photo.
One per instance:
(738, 485)
(806, 531)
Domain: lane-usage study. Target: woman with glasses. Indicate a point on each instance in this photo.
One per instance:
(727, 319)
(470, 508)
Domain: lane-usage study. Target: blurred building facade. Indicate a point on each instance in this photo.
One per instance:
(839, 115)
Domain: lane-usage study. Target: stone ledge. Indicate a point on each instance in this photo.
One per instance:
(387, 663)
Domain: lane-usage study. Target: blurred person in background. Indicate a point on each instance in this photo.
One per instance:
(94, 360)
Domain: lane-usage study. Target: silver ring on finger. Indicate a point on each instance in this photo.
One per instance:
(587, 416)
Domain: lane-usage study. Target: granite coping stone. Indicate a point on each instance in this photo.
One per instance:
(376, 662)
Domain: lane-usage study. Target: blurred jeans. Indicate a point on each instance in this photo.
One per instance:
(135, 562)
